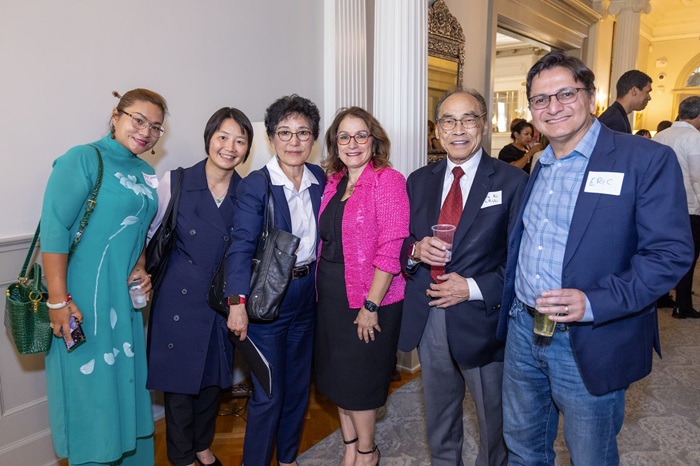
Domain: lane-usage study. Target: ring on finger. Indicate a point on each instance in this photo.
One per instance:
(566, 309)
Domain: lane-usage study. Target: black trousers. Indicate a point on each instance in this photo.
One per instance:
(190, 421)
(684, 289)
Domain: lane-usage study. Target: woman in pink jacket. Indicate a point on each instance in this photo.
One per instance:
(363, 222)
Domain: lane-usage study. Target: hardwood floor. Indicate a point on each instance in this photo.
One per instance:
(321, 421)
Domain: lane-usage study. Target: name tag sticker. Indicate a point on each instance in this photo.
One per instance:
(493, 198)
(604, 183)
(151, 180)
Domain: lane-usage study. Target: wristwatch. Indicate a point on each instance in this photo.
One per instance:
(236, 299)
(412, 254)
(370, 306)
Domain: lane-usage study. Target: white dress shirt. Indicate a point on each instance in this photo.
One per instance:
(301, 209)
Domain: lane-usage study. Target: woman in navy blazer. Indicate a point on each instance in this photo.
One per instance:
(189, 354)
(292, 125)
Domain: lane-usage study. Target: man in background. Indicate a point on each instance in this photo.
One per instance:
(633, 94)
(684, 138)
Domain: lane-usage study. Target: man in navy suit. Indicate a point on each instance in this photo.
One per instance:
(602, 232)
(451, 314)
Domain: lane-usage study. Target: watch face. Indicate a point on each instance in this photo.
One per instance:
(232, 300)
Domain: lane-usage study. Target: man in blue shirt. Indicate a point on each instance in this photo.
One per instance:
(602, 233)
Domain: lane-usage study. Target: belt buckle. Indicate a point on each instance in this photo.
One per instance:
(300, 272)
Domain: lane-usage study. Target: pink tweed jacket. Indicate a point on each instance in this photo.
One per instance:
(375, 223)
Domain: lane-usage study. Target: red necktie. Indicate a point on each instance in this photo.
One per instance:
(450, 213)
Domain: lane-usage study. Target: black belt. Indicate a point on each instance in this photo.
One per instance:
(301, 271)
(531, 310)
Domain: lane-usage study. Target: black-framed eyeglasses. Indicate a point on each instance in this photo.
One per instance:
(140, 123)
(468, 122)
(565, 96)
(285, 135)
(343, 139)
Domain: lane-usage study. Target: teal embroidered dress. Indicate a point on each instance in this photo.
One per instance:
(99, 407)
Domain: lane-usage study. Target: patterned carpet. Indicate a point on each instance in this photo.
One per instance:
(662, 419)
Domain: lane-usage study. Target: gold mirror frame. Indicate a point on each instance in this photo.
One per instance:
(445, 40)
(445, 37)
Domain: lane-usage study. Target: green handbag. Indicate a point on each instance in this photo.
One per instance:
(26, 313)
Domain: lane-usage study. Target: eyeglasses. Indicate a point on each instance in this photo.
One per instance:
(140, 123)
(469, 121)
(360, 138)
(565, 96)
(286, 135)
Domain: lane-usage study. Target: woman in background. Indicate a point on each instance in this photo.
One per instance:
(643, 132)
(99, 407)
(519, 152)
(190, 357)
(363, 222)
(292, 125)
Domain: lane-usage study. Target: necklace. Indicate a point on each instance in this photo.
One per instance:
(218, 198)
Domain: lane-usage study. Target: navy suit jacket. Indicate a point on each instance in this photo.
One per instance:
(249, 212)
(478, 252)
(623, 252)
(181, 321)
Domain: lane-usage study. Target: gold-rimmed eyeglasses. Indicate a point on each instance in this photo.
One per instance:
(468, 121)
(140, 122)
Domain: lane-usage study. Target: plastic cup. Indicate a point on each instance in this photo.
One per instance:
(543, 325)
(138, 297)
(445, 233)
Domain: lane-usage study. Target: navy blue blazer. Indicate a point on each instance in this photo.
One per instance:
(478, 252)
(249, 211)
(623, 252)
(183, 328)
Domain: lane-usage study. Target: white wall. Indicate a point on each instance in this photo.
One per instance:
(60, 61)
(62, 58)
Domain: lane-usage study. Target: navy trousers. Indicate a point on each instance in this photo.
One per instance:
(287, 343)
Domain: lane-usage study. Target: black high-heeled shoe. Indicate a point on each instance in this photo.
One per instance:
(215, 463)
(376, 448)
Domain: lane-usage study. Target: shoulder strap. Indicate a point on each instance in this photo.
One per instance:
(170, 214)
(270, 213)
(89, 207)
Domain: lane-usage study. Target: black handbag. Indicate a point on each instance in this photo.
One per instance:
(215, 296)
(26, 312)
(163, 241)
(271, 268)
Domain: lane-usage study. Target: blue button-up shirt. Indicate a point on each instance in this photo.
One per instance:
(547, 220)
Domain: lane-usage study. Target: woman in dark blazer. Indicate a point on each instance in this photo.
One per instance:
(292, 125)
(189, 353)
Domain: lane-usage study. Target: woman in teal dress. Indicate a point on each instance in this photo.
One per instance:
(99, 407)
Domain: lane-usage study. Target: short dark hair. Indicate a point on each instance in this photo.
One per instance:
(630, 79)
(689, 108)
(292, 105)
(578, 69)
(519, 127)
(380, 140)
(663, 124)
(458, 90)
(217, 119)
(139, 95)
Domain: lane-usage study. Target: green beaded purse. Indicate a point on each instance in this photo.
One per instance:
(26, 313)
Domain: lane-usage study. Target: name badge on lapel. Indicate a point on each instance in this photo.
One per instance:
(493, 198)
(151, 180)
(604, 183)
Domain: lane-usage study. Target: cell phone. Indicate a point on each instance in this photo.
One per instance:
(76, 333)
